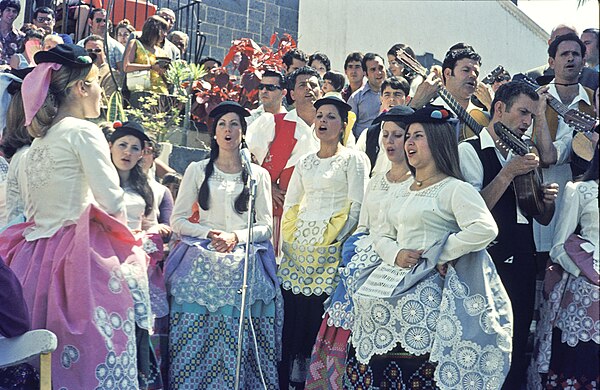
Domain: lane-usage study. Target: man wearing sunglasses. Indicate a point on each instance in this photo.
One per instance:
(97, 23)
(271, 91)
(43, 17)
(95, 44)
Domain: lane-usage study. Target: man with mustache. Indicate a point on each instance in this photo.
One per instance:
(277, 141)
(491, 170)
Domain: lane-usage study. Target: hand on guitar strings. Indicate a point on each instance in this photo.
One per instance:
(520, 165)
(550, 191)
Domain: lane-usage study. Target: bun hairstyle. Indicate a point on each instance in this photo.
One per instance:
(241, 202)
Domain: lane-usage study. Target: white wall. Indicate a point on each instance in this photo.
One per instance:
(497, 29)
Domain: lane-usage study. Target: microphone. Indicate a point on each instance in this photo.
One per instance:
(246, 160)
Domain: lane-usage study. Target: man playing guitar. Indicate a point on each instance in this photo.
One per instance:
(491, 169)
(566, 59)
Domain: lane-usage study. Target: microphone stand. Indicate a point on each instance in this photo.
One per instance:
(243, 290)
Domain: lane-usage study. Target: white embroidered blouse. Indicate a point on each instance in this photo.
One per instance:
(224, 189)
(418, 219)
(67, 170)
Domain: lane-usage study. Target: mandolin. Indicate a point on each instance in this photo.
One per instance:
(527, 187)
(491, 77)
(468, 119)
(584, 142)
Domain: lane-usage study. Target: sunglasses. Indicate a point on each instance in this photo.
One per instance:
(94, 50)
(268, 87)
(100, 20)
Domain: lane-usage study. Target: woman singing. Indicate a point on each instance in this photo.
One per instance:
(332, 341)
(413, 327)
(321, 210)
(205, 272)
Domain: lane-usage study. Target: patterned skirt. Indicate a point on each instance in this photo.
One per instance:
(396, 369)
(205, 315)
(87, 284)
(567, 342)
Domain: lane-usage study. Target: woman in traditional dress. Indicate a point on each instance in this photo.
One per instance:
(321, 210)
(407, 315)
(332, 341)
(127, 143)
(205, 272)
(83, 272)
(566, 350)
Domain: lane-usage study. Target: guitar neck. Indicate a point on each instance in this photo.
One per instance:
(462, 114)
(557, 105)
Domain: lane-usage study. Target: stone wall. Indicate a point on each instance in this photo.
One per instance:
(226, 20)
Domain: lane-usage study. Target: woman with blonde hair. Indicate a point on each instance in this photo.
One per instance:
(82, 271)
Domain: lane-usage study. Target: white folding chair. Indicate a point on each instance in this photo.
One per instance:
(19, 349)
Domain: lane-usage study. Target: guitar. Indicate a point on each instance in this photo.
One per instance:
(584, 142)
(414, 66)
(527, 187)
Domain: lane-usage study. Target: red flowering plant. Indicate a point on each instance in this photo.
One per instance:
(249, 60)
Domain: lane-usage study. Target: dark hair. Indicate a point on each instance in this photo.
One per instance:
(33, 33)
(206, 59)
(274, 73)
(592, 172)
(594, 31)
(93, 37)
(4, 4)
(93, 12)
(396, 83)
(562, 38)
(456, 53)
(171, 178)
(354, 56)
(509, 92)
(138, 181)
(15, 134)
(43, 10)
(151, 30)
(337, 79)
(369, 57)
(241, 202)
(126, 24)
(398, 46)
(288, 57)
(320, 57)
(291, 79)
(441, 138)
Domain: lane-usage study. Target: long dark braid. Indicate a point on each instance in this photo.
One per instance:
(204, 193)
(241, 202)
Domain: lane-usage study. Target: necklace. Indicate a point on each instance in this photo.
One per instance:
(419, 183)
(400, 179)
(565, 85)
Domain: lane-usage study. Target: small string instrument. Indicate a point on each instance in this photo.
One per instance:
(491, 77)
(584, 142)
(527, 187)
(467, 118)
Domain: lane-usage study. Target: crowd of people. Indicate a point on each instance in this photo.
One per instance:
(400, 221)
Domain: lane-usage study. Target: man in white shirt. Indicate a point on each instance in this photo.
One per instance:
(491, 170)
(278, 141)
(566, 54)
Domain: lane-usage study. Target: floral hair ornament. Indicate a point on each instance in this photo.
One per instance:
(117, 124)
(430, 114)
(35, 89)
